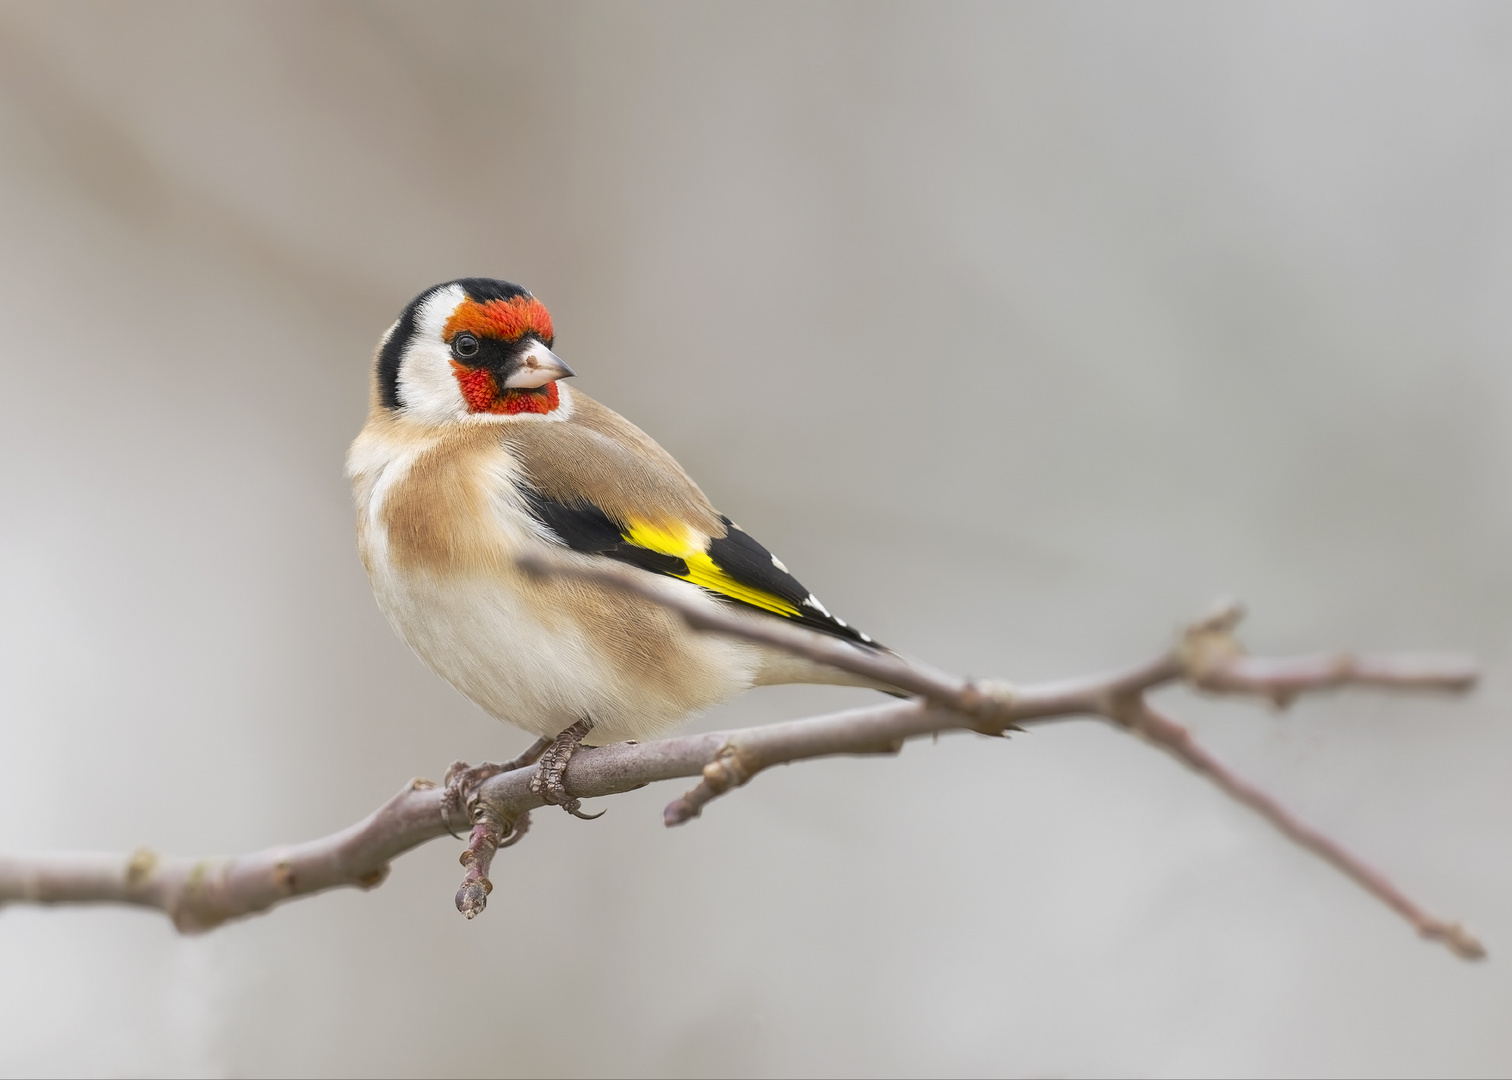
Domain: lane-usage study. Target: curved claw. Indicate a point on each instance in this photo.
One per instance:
(547, 782)
(461, 778)
(517, 831)
(451, 798)
(446, 816)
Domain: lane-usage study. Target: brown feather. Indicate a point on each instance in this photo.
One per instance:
(598, 457)
(441, 523)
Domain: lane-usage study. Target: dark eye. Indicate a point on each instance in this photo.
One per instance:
(464, 346)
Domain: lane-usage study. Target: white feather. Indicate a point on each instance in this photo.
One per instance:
(482, 637)
(428, 388)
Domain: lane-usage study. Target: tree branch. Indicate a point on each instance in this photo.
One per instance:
(200, 894)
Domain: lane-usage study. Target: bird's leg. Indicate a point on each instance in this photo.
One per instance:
(462, 778)
(547, 782)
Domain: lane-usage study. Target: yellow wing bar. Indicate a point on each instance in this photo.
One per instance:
(702, 570)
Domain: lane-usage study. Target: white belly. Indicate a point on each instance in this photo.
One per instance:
(537, 656)
(481, 637)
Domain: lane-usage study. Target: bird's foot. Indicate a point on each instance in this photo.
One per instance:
(547, 782)
(462, 778)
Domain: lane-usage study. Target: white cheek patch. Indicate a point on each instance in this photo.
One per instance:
(428, 389)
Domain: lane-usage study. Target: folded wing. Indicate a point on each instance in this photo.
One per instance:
(733, 566)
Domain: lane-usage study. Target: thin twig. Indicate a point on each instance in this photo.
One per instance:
(200, 894)
(1178, 741)
(985, 701)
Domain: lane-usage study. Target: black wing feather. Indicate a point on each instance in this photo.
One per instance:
(586, 528)
(738, 554)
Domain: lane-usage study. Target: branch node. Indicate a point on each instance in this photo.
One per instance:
(283, 875)
(1459, 941)
(1127, 709)
(1209, 645)
(732, 768)
(202, 904)
(990, 702)
(140, 866)
(1225, 615)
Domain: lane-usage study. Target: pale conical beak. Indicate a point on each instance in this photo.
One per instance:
(536, 367)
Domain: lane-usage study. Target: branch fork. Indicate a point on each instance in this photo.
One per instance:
(732, 768)
(200, 894)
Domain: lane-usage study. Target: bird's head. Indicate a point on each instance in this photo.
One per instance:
(474, 347)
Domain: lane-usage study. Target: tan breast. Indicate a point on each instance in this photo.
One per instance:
(440, 525)
(442, 515)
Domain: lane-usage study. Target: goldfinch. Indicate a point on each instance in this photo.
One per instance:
(474, 454)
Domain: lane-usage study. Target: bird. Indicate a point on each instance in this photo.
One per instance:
(476, 455)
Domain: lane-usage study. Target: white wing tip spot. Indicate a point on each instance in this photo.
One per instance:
(865, 637)
(778, 564)
(813, 602)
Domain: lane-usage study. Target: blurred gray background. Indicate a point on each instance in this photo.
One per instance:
(1020, 331)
